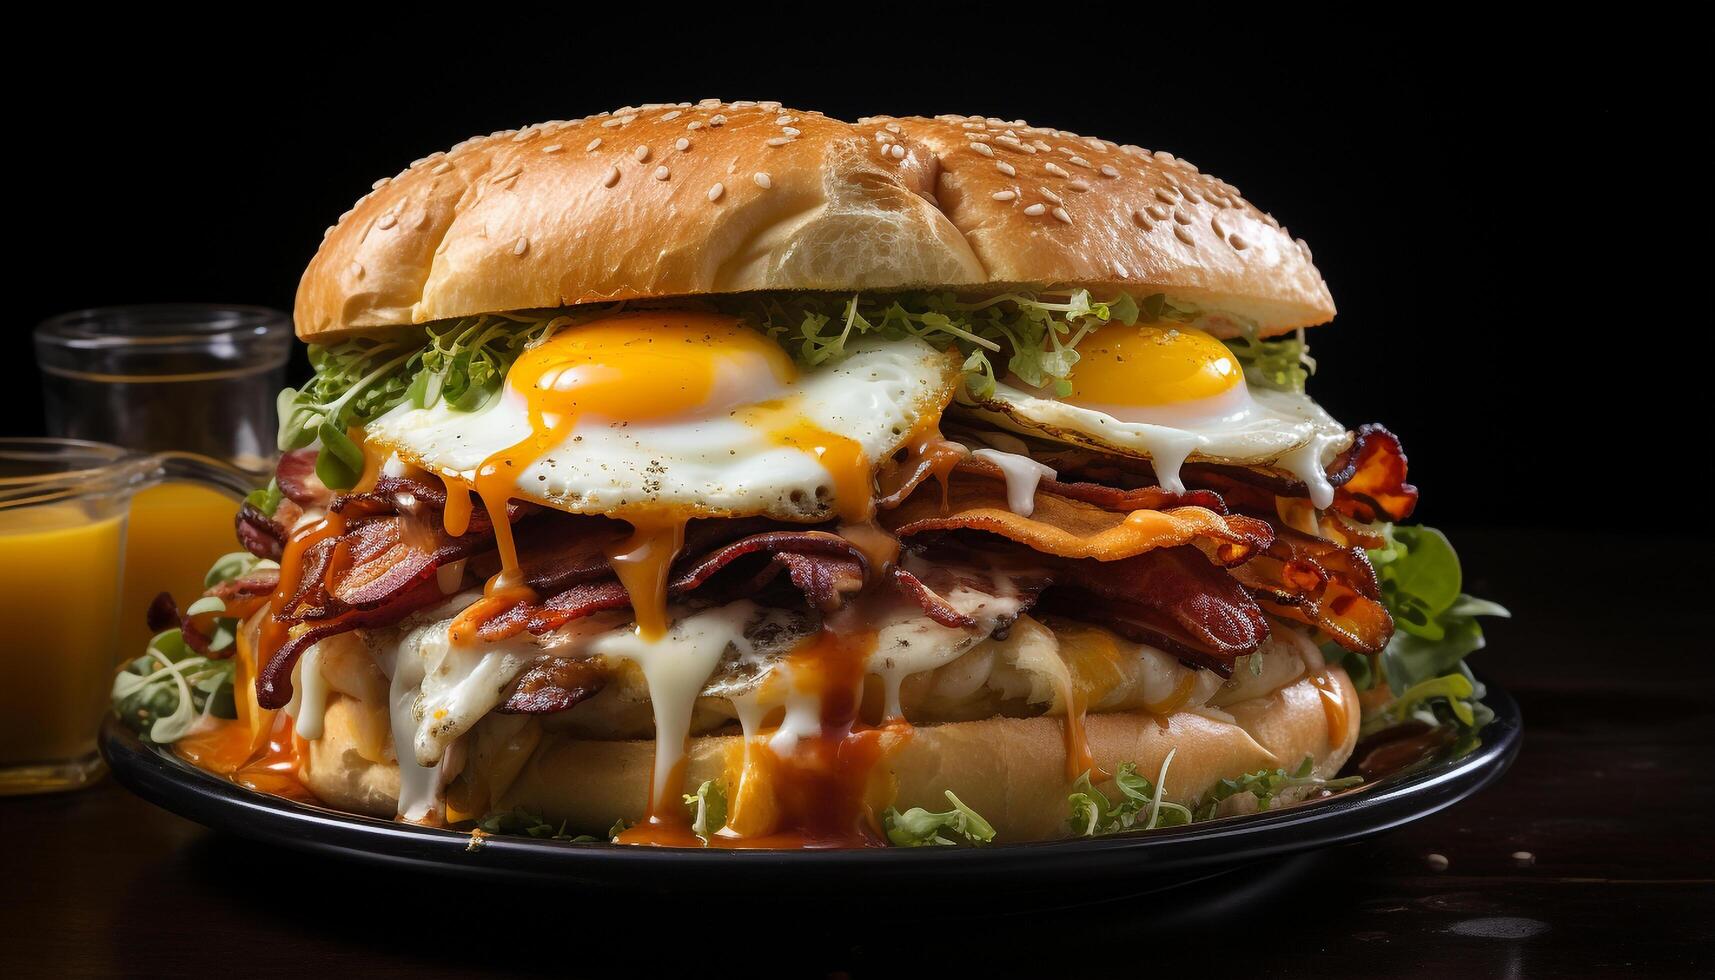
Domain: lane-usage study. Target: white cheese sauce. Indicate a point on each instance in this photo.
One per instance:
(1022, 475)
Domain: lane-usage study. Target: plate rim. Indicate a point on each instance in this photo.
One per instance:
(164, 780)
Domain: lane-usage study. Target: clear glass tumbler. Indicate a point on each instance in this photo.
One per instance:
(194, 381)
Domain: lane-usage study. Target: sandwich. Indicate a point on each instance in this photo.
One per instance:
(724, 474)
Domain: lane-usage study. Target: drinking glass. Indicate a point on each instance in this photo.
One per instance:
(193, 381)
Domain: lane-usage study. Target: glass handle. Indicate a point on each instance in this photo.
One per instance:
(210, 472)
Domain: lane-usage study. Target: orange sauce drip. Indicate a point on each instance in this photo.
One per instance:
(455, 517)
(823, 791)
(226, 748)
(1079, 758)
(927, 454)
(642, 562)
(1333, 708)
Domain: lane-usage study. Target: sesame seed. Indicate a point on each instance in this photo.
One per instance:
(682, 144)
(716, 191)
(660, 173)
(1061, 215)
(612, 177)
(1079, 185)
(357, 270)
(520, 246)
(1109, 170)
(763, 180)
(610, 123)
(552, 148)
(440, 168)
(983, 148)
(1436, 862)
(778, 141)
(1034, 210)
(1079, 162)
(1006, 168)
(694, 125)
(1003, 195)
(1524, 859)
(1056, 169)
(789, 131)
(641, 153)
(891, 127)
(785, 120)
(383, 182)
(897, 150)
(669, 117)
(1052, 197)
(717, 120)
(387, 221)
(592, 144)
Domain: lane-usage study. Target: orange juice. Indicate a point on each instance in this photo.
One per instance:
(176, 532)
(59, 603)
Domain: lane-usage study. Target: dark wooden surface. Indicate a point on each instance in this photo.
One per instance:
(1611, 795)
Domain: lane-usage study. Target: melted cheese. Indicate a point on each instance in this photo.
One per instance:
(1022, 475)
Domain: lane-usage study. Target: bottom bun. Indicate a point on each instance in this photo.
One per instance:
(1010, 770)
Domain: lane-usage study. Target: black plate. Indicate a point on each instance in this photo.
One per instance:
(1135, 862)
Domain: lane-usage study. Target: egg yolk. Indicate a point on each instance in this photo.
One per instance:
(1151, 364)
(636, 367)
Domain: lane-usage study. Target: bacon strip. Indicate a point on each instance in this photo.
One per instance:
(1070, 528)
(1171, 598)
(1319, 583)
(824, 567)
(274, 678)
(296, 475)
(550, 686)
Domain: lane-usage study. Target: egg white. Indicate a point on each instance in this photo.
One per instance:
(718, 463)
(1282, 429)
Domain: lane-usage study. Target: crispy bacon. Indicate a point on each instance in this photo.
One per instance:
(260, 534)
(274, 678)
(1171, 598)
(824, 567)
(296, 475)
(1319, 583)
(164, 614)
(934, 606)
(553, 685)
(1069, 528)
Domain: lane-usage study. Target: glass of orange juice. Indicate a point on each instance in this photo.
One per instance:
(193, 382)
(62, 541)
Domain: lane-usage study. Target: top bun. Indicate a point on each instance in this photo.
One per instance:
(684, 200)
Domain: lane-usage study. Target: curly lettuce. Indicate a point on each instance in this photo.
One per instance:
(918, 827)
(460, 362)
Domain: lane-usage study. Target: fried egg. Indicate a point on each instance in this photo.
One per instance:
(1172, 395)
(687, 411)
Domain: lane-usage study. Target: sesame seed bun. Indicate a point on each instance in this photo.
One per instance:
(686, 200)
(1011, 770)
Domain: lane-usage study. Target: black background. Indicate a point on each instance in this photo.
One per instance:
(1515, 228)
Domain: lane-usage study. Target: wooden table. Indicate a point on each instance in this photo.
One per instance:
(1611, 798)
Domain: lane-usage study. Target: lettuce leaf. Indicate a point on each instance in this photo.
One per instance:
(1435, 623)
(918, 827)
(164, 693)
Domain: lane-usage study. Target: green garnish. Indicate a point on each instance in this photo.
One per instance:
(708, 809)
(1037, 332)
(461, 362)
(1435, 624)
(165, 692)
(1140, 807)
(918, 827)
